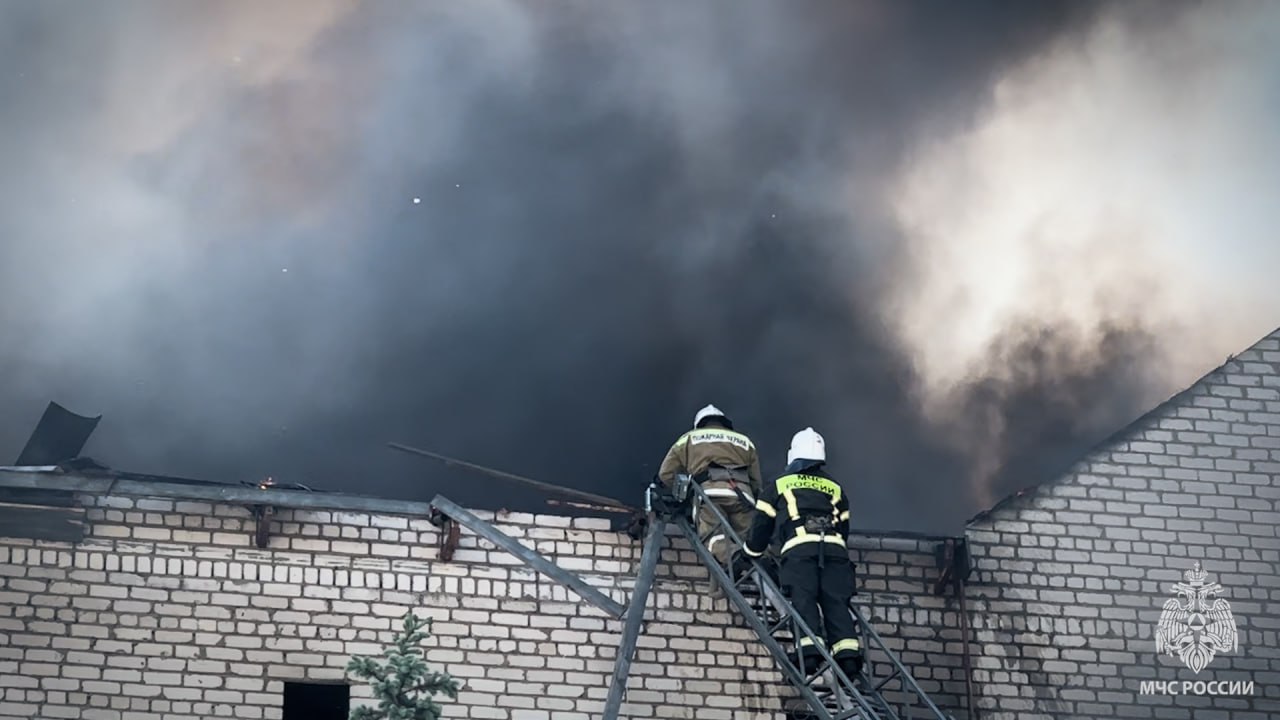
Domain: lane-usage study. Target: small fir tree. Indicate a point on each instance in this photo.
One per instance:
(404, 687)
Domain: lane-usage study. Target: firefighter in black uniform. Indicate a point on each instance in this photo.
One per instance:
(816, 572)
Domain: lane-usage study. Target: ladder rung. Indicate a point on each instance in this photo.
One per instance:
(886, 680)
(754, 595)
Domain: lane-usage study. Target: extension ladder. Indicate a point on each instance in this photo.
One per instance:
(826, 692)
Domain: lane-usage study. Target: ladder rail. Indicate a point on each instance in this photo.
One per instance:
(634, 617)
(775, 648)
(907, 682)
(767, 586)
(798, 629)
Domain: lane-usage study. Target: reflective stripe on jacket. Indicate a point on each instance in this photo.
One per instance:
(790, 501)
(697, 450)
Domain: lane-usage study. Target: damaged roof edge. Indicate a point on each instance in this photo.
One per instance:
(47, 479)
(1138, 425)
(211, 492)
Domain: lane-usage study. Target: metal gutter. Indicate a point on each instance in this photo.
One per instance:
(237, 494)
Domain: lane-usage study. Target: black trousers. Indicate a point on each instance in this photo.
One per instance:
(818, 577)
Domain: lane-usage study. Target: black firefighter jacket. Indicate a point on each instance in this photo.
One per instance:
(809, 506)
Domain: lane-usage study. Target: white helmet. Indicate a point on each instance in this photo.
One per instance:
(706, 412)
(807, 445)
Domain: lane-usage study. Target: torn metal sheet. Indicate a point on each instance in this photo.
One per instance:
(60, 435)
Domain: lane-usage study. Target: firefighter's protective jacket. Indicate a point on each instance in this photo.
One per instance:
(698, 451)
(801, 497)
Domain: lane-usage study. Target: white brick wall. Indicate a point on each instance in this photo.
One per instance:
(1072, 577)
(167, 610)
(895, 591)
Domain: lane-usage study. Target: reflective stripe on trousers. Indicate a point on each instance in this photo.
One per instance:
(713, 540)
(727, 492)
(849, 645)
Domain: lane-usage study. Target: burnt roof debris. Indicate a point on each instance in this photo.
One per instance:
(59, 436)
(577, 498)
(55, 445)
(90, 469)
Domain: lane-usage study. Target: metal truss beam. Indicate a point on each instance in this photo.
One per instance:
(487, 531)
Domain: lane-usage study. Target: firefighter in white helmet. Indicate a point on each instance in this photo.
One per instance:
(724, 462)
(815, 569)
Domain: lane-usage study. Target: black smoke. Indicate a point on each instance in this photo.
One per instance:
(624, 215)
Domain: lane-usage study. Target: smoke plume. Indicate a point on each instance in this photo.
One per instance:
(963, 242)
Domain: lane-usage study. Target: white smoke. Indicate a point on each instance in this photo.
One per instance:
(1123, 178)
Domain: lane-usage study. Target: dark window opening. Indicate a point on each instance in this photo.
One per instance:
(317, 701)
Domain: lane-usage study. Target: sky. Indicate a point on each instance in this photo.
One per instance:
(964, 242)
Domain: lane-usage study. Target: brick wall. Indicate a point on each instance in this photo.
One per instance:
(1071, 578)
(896, 577)
(167, 611)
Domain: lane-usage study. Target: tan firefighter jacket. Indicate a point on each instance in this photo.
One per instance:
(704, 453)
